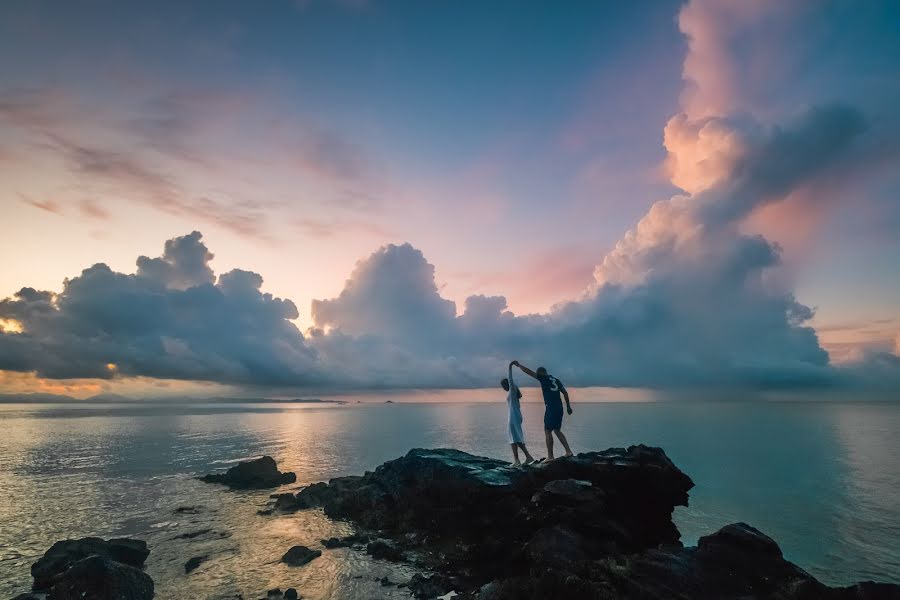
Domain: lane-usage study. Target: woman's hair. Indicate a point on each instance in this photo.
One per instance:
(504, 383)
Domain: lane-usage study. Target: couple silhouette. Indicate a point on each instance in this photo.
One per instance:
(553, 391)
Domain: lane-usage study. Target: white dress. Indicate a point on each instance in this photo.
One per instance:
(515, 413)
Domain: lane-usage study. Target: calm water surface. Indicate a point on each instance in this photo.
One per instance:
(821, 478)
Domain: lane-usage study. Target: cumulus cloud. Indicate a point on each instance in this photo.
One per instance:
(172, 319)
(712, 320)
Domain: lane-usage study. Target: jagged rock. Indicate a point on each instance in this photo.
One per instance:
(290, 594)
(300, 555)
(384, 550)
(63, 554)
(194, 562)
(99, 578)
(430, 586)
(352, 540)
(259, 473)
(597, 526)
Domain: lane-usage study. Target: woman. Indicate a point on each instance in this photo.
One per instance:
(516, 436)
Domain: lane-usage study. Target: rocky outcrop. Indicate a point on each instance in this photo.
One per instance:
(300, 555)
(254, 474)
(596, 526)
(64, 554)
(99, 578)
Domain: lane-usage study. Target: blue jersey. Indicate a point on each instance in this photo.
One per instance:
(551, 387)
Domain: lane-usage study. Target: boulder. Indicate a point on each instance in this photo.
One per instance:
(99, 578)
(63, 554)
(259, 473)
(300, 555)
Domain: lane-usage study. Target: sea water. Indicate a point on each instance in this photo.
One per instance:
(821, 478)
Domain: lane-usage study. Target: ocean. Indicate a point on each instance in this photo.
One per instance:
(821, 478)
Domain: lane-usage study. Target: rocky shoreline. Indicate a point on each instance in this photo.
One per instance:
(596, 526)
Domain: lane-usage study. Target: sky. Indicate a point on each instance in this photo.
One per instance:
(216, 197)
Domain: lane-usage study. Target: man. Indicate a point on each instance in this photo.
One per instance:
(553, 411)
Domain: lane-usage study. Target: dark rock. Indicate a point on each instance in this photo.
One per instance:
(194, 562)
(740, 540)
(290, 594)
(63, 554)
(26, 596)
(384, 550)
(430, 586)
(188, 510)
(355, 539)
(385, 582)
(596, 526)
(252, 474)
(99, 578)
(300, 555)
(555, 546)
(192, 534)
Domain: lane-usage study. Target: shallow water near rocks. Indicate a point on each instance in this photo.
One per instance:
(821, 478)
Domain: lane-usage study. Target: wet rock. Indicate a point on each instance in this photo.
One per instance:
(430, 586)
(188, 510)
(192, 534)
(259, 473)
(26, 596)
(277, 594)
(384, 550)
(99, 578)
(63, 554)
(300, 555)
(194, 562)
(352, 540)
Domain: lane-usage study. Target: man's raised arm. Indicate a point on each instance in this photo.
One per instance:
(525, 369)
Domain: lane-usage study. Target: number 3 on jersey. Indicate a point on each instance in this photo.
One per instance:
(553, 384)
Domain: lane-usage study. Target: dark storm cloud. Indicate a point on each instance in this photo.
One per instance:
(169, 320)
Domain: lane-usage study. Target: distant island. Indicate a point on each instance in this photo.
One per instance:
(118, 399)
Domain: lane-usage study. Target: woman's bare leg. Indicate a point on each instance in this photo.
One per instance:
(528, 457)
(515, 450)
(563, 441)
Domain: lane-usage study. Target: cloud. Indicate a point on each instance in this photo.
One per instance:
(391, 294)
(709, 318)
(710, 322)
(47, 205)
(170, 320)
